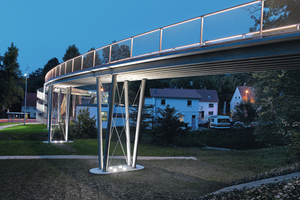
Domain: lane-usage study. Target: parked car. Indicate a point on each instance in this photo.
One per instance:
(219, 122)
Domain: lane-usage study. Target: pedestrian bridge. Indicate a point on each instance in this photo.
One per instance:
(215, 43)
(244, 38)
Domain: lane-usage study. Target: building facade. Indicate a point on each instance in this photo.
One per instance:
(192, 103)
(241, 94)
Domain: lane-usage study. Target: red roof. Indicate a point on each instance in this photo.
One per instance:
(202, 95)
(247, 93)
(31, 99)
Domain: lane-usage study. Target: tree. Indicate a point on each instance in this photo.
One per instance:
(278, 94)
(53, 62)
(71, 52)
(245, 112)
(277, 13)
(167, 126)
(89, 59)
(37, 78)
(117, 52)
(146, 121)
(10, 76)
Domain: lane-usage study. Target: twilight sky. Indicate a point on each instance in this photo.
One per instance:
(44, 29)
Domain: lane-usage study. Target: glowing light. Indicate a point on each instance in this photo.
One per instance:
(120, 166)
(115, 169)
(124, 168)
(247, 91)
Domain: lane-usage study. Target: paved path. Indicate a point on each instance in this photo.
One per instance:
(6, 126)
(258, 183)
(92, 157)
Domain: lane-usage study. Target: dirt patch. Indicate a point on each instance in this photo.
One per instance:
(70, 179)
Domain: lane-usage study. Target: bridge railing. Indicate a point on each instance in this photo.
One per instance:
(247, 21)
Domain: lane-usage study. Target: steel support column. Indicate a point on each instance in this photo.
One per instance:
(99, 123)
(138, 123)
(127, 123)
(50, 94)
(109, 121)
(68, 106)
(58, 106)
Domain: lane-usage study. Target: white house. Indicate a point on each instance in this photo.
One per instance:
(241, 94)
(192, 103)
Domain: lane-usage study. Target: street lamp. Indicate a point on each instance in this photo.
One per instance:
(25, 96)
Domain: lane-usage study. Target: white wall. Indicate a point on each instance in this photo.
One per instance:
(30, 110)
(236, 99)
(204, 106)
(182, 107)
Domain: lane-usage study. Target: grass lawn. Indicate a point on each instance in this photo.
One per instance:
(161, 179)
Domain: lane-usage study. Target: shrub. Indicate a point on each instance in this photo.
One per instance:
(84, 127)
(232, 139)
(167, 126)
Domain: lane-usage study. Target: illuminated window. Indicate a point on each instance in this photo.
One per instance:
(104, 116)
(181, 118)
(163, 102)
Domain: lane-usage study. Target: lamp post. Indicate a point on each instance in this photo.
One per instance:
(25, 97)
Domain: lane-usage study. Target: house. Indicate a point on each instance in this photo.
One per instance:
(31, 100)
(241, 94)
(194, 104)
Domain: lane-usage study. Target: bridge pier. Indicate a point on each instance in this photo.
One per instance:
(103, 159)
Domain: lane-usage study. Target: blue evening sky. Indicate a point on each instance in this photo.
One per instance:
(44, 29)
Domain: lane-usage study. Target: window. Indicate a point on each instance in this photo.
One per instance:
(104, 116)
(210, 113)
(211, 105)
(163, 102)
(189, 102)
(181, 118)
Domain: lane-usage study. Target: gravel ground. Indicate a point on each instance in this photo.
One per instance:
(70, 179)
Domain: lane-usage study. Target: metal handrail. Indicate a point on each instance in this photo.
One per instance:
(53, 73)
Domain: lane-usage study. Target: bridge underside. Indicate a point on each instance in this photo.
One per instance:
(265, 54)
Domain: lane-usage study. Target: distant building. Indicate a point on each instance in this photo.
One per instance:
(192, 103)
(241, 94)
(31, 100)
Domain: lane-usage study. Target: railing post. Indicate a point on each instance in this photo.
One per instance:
(109, 58)
(201, 32)
(82, 62)
(131, 48)
(73, 65)
(261, 17)
(160, 40)
(94, 60)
